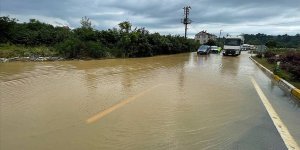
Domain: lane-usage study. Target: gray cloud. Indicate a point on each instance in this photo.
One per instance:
(232, 16)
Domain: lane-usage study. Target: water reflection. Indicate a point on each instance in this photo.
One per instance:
(202, 59)
(230, 65)
(191, 63)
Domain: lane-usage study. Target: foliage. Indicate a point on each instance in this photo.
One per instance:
(211, 42)
(279, 41)
(6, 28)
(291, 63)
(85, 23)
(125, 26)
(271, 57)
(88, 42)
(283, 72)
(259, 55)
(8, 51)
(271, 44)
(272, 60)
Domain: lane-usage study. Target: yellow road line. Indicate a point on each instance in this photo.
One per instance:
(117, 106)
(289, 141)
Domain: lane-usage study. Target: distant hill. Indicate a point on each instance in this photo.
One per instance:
(280, 41)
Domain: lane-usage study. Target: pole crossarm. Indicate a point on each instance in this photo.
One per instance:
(186, 20)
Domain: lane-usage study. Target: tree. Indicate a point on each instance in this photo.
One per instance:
(86, 23)
(85, 34)
(125, 25)
(210, 42)
(88, 42)
(6, 28)
(271, 44)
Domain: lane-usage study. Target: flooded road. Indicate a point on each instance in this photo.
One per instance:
(182, 101)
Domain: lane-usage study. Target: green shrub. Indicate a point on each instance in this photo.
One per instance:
(259, 55)
(70, 48)
(95, 49)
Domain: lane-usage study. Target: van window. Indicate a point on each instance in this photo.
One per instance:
(233, 42)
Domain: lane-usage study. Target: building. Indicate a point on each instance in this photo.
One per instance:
(204, 36)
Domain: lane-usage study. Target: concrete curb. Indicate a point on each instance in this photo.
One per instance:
(281, 82)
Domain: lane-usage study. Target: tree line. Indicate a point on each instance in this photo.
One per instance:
(271, 41)
(86, 41)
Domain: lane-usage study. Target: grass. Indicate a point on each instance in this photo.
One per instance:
(296, 84)
(9, 51)
(283, 74)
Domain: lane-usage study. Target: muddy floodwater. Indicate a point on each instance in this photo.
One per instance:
(182, 101)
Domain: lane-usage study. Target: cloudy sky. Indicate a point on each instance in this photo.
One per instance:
(164, 16)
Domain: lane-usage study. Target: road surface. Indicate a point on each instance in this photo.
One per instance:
(182, 101)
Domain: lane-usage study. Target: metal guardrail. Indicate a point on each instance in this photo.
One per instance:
(281, 82)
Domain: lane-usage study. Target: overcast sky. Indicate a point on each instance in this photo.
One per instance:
(164, 16)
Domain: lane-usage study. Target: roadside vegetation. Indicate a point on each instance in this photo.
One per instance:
(274, 41)
(10, 51)
(36, 39)
(289, 68)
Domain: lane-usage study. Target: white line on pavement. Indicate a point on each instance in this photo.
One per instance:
(289, 141)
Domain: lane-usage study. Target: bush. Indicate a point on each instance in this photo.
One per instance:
(269, 54)
(291, 63)
(259, 55)
(290, 57)
(295, 71)
(75, 48)
(95, 49)
(70, 48)
(272, 60)
(89, 42)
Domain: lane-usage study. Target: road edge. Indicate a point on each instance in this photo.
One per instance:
(283, 131)
(295, 92)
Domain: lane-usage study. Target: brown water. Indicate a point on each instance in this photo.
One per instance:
(180, 101)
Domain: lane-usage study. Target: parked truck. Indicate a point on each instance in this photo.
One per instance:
(233, 45)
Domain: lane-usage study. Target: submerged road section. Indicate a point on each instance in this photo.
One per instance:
(183, 101)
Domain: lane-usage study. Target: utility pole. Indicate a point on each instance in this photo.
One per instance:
(186, 19)
(220, 37)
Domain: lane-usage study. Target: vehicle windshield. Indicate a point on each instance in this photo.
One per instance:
(203, 48)
(233, 42)
(214, 47)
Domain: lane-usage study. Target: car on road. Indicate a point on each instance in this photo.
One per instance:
(214, 49)
(203, 49)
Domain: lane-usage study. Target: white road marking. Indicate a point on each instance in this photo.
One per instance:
(289, 141)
